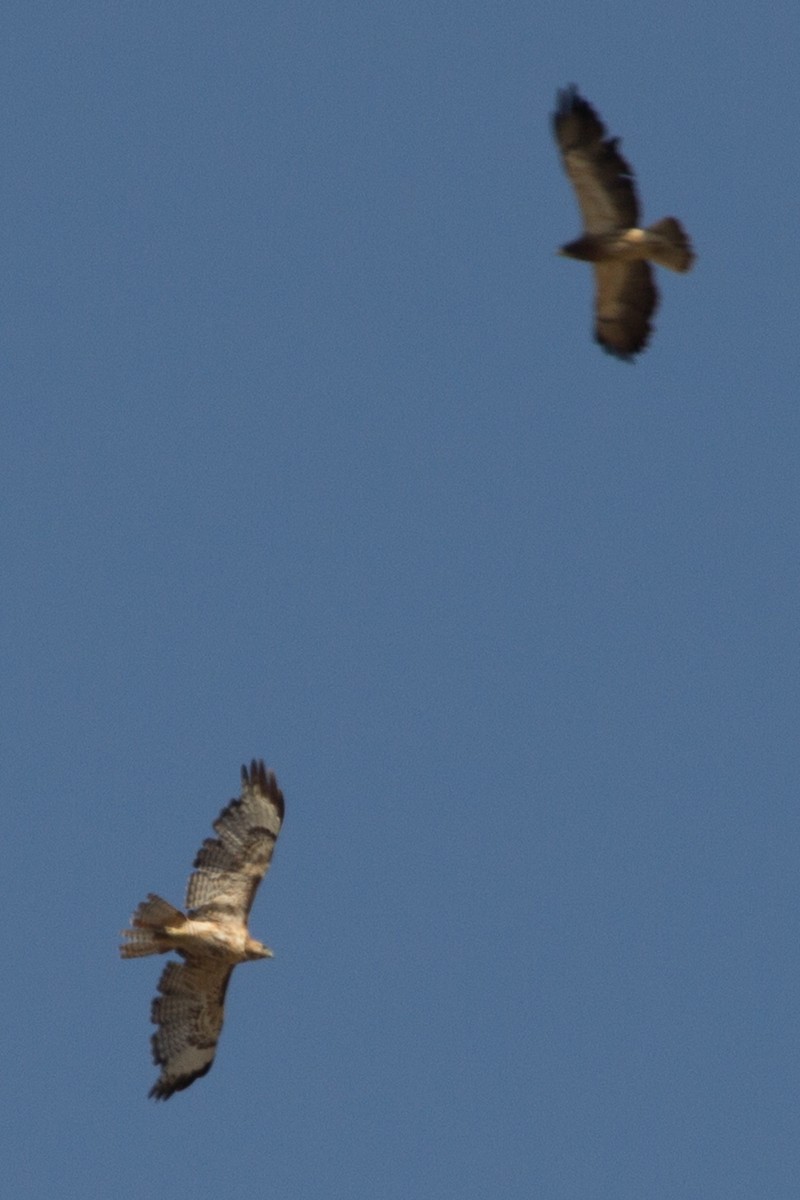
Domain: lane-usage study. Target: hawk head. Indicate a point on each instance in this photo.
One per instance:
(254, 949)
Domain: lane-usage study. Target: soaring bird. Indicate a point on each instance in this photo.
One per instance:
(212, 937)
(612, 241)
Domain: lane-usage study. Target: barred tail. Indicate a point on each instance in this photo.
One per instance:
(149, 924)
(141, 944)
(669, 245)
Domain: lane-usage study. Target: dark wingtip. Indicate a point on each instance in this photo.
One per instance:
(259, 777)
(566, 96)
(569, 101)
(162, 1089)
(627, 356)
(574, 118)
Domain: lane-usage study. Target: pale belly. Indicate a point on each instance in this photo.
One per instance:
(209, 938)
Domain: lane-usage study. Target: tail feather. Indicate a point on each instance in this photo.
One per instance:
(155, 913)
(149, 923)
(669, 245)
(141, 944)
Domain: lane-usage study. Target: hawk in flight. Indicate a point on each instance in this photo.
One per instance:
(212, 936)
(620, 252)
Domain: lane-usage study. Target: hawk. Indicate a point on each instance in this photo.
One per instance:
(620, 252)
(212, 937)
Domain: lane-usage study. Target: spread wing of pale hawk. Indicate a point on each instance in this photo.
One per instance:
(620, 252)
(212, 936)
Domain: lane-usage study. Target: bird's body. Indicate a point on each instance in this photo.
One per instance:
(613, 240)
(212, 937)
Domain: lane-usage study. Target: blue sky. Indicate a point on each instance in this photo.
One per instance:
(308, 454)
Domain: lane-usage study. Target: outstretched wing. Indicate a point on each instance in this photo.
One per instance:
(602, 179)
(625, 301)
(188, 1012)
(228, 869)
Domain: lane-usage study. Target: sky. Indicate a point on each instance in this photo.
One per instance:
(307, 454)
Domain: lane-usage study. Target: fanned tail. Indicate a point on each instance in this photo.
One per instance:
(669, 245)
(149, 923)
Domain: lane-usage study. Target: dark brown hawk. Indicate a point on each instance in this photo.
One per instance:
(619, 251)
